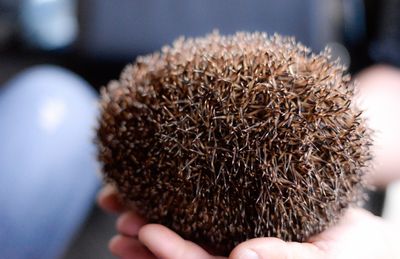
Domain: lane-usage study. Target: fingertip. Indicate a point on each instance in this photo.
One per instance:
(128, 247)
(105, 192)
(245, 254)
(274, 248)
(129, 223)
(114, 243)
(257, 248)
(108, 199)
(157, 239)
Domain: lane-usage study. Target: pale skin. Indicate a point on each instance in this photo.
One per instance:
(358, 234)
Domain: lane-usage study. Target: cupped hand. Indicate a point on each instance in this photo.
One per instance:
(139, 240)
(358, 235)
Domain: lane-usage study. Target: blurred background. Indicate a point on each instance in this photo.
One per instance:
(96, 38)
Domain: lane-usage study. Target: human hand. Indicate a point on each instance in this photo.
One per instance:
(378, 94)
(358, 235)
(136, 239)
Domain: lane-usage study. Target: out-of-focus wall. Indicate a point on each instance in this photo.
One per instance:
(126, 28)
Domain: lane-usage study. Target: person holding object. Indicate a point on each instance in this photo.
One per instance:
(359, 234)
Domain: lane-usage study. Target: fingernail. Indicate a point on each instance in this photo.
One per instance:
(247, 254)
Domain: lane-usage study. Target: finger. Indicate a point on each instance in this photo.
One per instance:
(128, 247)
(108, 199)
(164, 243)
(352, 218)
(274, 248)
(129, 224)
(359, 234)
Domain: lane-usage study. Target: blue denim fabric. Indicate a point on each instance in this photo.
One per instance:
(48, 169)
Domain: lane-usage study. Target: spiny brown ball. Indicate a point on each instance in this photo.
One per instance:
(227, 138)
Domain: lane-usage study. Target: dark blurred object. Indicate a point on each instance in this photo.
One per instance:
(371, 32)
(8, 27)
(129, 28)
(385, 46)
(376, 201)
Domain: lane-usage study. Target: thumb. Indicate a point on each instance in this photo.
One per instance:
(274, 248)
